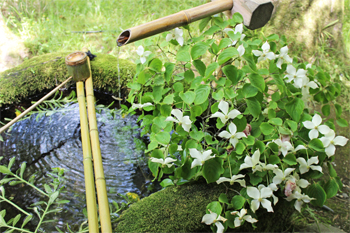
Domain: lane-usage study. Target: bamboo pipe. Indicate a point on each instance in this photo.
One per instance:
(100, 180)
(172, 21)
(87, 160)
(33, 106)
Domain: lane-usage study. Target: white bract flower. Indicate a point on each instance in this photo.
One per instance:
(283, 56)
(176, 34)
(259, 196)
(301, 198)
(214, 218)
(200, 158)
(225, 115)
(265, 54)
(315, 127)
(280, 175)
(295, 183)
(293, 74)
(234, 178)
(241, 50)
(164, 162)
(330, 141)
(252, 162)
(300, 147)
(238, 29)
(284, 146)
(184, 121)
(141, 105)
(142, 53)
(265, 167)
(305, 166)
(242, 215)
(232, 135)
(305, 85)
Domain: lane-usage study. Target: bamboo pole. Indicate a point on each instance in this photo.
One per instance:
(100, 180)
(87, 160)
(33, 106)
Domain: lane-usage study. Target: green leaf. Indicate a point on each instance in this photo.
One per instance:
(274, 159)
(210, 69)
(295, 108)
(212, 169)
(292, 124)
(237, 18)
(331, 188)
(169, 69)
(26, 220)
(11, 162)
(189, 76)
(215, 207)
(157, 93)
(254, 179)
(209, 140)
(16, 219)
(184, 54)
(266, 128)
(273, 37)
(342, 122)
(196, 135)
(203, 23)
(5, 170)
(223, 198)
(2, 221)
(332, 171)
(290, 159)
(250, 140)
(218, 95)
(188, 97)
(232, 73)
(237, 202)
(200, 66)
(156, 64)
(202, 94)
(167, 182)
(227, 54)
(249, 90)
(178, 87)
(224, 43)
(326, 110)
(198, 50)
(276, 121)
(316, 144)
(169, 99)
(240, 147)
(163, 137)
(211, 30)
(316, 191)
(47, 189)
(254, 107)
(53, 197)
(338, 110)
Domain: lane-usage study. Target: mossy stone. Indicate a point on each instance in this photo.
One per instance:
(181, 208)
(44, 72)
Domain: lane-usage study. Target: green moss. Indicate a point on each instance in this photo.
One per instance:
(180, 209)
(45, 72)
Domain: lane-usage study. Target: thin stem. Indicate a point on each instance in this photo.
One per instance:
(19, 229)
(19, 208)
(31, 185)
(42, 218)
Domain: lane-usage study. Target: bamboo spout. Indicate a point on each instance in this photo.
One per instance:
(256, 13)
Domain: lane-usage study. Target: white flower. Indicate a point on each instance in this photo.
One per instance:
(284, 146)
(305, 84)
(176, 34)
(252, 162)
(225, 115)
(234, 178)
(241, 50)
(294, 179)
(281, 175)
(265, 54)
(238, 29)
(301, 198)
(308, 66)
(242, 216)
(141, 105)
(300, 147)
(330, 141)
(293, 74)
(315, 127)
(232, 135)
(305, 166)
(142, 53)
(164, 162)
(200, 158)
(265, 167)
(214, 218)
(259, 196)
(283, 56)
(184, 121)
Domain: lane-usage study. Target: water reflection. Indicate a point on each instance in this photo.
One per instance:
(54, 141)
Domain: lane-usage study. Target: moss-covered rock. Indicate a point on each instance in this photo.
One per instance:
(181, 208)
(45, 72)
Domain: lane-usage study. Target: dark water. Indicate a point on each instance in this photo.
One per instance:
(54, 141)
